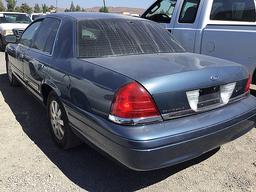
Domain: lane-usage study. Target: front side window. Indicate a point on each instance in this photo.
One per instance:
(233, 10)
(161, 11)
(189, 11)
(45, 37)
(14, 18)
(117, 37)
(27, 36)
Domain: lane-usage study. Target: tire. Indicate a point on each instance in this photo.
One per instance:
(59, 125)
(12, 79)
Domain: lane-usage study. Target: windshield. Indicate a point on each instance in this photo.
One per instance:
(161, 11)
(115, 37)
(14, 18)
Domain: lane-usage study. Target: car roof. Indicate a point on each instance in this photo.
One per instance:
(92, 16)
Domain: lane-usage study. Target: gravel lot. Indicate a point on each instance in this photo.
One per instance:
(29, 160)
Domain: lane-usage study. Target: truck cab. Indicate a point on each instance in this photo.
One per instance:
(219, 28)
(12, 23)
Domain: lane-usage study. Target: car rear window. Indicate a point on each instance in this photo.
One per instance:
(116, 37)
(233, 10)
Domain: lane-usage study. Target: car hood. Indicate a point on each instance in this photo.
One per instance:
(168, 77)
(9, 26)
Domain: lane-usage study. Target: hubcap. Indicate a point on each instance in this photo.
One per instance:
(56, 121)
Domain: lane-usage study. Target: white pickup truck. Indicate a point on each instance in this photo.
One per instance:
(12, 23)
(220, 28)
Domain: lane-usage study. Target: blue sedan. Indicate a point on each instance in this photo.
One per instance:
(127, 87)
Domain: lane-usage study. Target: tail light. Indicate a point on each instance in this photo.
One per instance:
(248, 84)
(133, 105)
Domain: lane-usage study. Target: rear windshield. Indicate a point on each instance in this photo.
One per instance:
(14, 18)
(117, 37)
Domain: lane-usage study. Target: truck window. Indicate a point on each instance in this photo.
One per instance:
(161, 11)
(189, 11)
(233, 10)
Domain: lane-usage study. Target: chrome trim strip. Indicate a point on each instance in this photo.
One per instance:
(135, 121)
(188, 112)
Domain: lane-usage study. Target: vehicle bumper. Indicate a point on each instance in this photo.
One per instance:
(151, 147)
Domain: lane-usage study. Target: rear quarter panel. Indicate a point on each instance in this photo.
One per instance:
(231, 42)
(92, 88)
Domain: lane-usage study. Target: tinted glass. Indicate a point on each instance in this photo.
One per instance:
(161, 11)
(27, 36)
(189, 11)
(46, 34)
(233, 10)
(14, 18)
(100, 38)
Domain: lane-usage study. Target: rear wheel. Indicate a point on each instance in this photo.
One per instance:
(59, 126)
(12, 79)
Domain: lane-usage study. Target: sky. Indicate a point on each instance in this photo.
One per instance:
(92, 3)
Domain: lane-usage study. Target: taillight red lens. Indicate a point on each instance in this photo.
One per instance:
(248, 84)
(133, 101)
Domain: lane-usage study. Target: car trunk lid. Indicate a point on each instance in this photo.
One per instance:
(172, 78)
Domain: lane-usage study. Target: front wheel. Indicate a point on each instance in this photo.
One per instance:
(12, 79)
(59, 126)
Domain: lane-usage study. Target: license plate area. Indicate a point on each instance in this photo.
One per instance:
(209, 97)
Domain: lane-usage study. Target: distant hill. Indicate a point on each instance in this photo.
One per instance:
(113, 10)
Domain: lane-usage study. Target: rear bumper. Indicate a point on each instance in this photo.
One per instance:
(180, 140)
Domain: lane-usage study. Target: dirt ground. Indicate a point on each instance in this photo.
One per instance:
(29, 160)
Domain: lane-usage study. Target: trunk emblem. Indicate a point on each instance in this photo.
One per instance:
(215, 78)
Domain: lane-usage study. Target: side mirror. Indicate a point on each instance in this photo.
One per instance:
(11, 39)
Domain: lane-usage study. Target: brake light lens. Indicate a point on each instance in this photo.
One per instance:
(132, 101)
(248, 84)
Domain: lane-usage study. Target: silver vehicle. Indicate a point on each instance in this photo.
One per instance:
(219, 28)
(34, 16)
(12, 23)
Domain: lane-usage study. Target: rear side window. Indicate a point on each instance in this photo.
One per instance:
(45, 37)
(233, 10)
(189, 11)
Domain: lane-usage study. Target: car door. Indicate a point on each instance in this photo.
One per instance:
(40, 54)
(186, 24)
(22, 47)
